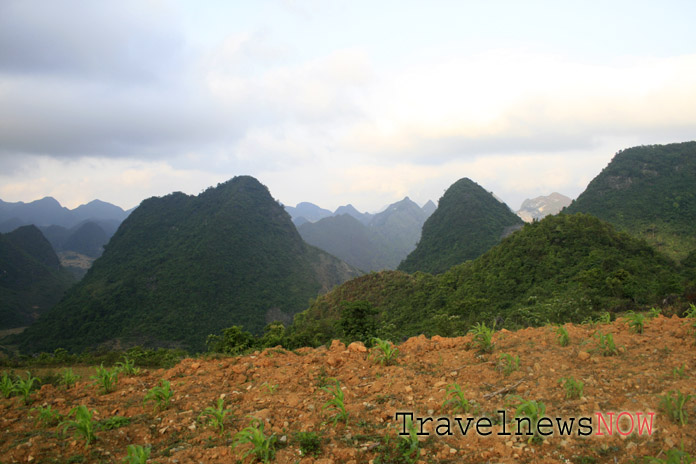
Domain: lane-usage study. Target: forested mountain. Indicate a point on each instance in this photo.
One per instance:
(182, 267)
(467, 222)
(560, 269)
(540, 207)
(650, 192)
(31, 278)
(369, 242)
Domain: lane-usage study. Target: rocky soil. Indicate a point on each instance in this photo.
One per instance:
(283, 390)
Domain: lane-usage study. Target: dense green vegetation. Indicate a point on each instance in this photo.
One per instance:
(467, 222)
(182, 267)
(565, 268)
(31, 278)
(648, 191)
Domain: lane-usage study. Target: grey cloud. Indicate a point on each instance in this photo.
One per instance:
(126, 40)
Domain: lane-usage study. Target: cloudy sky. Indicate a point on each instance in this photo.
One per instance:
(335, 102)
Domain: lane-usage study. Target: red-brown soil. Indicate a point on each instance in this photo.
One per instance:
(282, 388)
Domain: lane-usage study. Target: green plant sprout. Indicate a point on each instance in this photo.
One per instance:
(136, 454)
(127, 366)
(605, 344)
(105, 379)
(673, 405)
(216, 416)
(68, 378)
(47, 416)
(25, 386)
(263, 447)
(385, 352)
(456, 398)
(161, 395)
(562, 336)
(336, 402)
(6, 385)
(508, 363)
(483, 337)
(83, 423)
(533, 411)
(573, 388)
(636, 321)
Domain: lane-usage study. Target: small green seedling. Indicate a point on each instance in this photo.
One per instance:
(674, 406)
(385, 352)
(533, 411)
(456, 398)
(83, 423)
(483, 337)
(636, 321)
(573, 388)
(68, 378)
(673, 456)
(263, 447)
(47, 416)
(6, 385)
(115, 422)
(605, 344)
(161, 395)
(309, 442)
(409, 444)
(654, 313)
(127, 366)
(562, 336)
(336, 402)
(105, 379)
(269, 387)
(679, 372)
(508, 363)
(25, 386)
(216, 416)
(136, 455)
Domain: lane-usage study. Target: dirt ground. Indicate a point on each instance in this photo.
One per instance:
(283, 390)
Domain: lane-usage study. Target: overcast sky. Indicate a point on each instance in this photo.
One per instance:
(335, 102)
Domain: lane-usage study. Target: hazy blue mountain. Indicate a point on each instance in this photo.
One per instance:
(309, 211)
(540, 207)
(351, 211)
(429, 208)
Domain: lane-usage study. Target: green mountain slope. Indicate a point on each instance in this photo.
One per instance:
(31, 278)
(563, 268)
(467, 222)
(650, 192)
(181, 267)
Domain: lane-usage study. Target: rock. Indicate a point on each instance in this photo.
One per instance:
(337, 345)
(583, 355)
(357, 347)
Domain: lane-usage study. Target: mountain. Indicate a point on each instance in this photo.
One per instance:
(31, 278)
(182, 267)
(468, 222)
(380, 243)
(650, 192)
(540, 207)
(348, 239)
(306, 211)
(429, 208)
(564, 268)
(48, 211)
(351, 211)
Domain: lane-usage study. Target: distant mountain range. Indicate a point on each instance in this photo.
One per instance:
(650, 192)
(31, 277)
(180, 268)
(370, 242)
(538, 208)
(467, 222)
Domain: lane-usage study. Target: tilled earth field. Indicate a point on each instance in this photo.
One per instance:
(283, 391)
